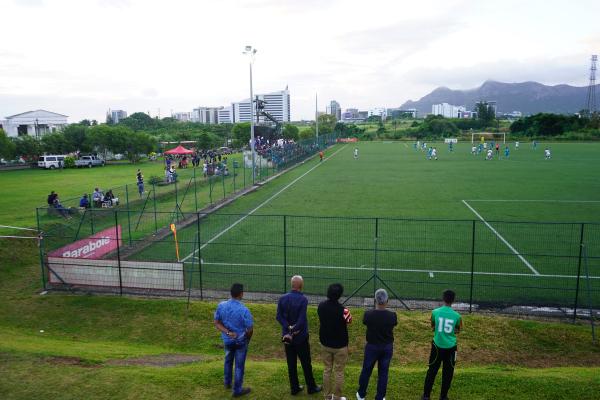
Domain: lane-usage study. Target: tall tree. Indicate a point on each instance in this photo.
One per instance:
(7, 146)
(290, 132)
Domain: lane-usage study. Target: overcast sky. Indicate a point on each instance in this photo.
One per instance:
(82, 57)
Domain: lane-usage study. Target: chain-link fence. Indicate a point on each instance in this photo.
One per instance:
(520, 266)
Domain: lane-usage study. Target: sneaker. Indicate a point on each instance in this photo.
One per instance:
(243, 392)
(358, 397)
(314, 390)
(297, 390)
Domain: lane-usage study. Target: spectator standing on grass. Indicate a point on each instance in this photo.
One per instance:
(291, 314)
(380, 324)
(445, 323)
(235, 322)
(333, 335)
(140, 182)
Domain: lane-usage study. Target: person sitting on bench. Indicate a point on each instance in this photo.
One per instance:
(97, 198)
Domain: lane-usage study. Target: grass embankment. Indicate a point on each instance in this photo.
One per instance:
(83, 336)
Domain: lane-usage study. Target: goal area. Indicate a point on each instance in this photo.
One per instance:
(484, 136)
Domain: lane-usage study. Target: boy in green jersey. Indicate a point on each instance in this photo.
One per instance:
(446, 323)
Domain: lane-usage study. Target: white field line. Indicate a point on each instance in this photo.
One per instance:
(425, 271)
(502, 239)
(218, 235)
(537, 201)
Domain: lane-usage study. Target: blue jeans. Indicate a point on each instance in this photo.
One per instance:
(382, 355)
(237, 352)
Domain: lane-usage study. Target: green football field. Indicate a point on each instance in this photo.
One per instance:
(504, 231)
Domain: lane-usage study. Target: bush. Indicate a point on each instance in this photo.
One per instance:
(69, 162)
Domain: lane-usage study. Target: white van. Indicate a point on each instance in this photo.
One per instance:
(51, 161)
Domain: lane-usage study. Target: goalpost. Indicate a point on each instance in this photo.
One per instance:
(492, 134)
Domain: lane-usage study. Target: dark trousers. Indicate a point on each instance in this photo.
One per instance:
(301, 350)
(382, 355)
(235, 353)
(437, 357)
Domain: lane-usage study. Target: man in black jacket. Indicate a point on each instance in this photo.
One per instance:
(333, 335)
(291, 314)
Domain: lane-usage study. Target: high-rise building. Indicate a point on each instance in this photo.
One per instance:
(117, 115)
(448, 110)
(225, 115)
(334, 109)
(379, 112)
(182, 116)
(276, 103)
(206, 115)
(491, 106)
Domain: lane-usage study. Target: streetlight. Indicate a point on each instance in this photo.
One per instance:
(250, 52)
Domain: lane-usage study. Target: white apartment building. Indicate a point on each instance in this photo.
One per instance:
(182, 116)
(379, 112)
(276, 103)
(334, 109)
(448, 110)
(117, 115)
(225, 116)
(33, 123)
(206, 115)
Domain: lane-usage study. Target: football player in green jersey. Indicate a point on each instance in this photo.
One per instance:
(446, 323)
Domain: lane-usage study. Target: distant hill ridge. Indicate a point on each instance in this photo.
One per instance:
(527, 97)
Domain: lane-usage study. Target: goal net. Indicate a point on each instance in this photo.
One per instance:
(485, 137)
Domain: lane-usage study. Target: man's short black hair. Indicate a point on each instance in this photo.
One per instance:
(448, 296)
(335, 291)
(236, 289)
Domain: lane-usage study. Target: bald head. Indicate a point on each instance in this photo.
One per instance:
(297, 283)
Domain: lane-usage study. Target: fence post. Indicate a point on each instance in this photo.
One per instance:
(41, 244)
(375, 257)
(284, 253)
(198, 238)
(91, 213)
(472, 265)
(154, 201)
(578, 272)
(128, 215)
(234, 176)
(210, 188)
(195, 191)
(223, 182)
(118, 252)
(244, 166)
(176, 202)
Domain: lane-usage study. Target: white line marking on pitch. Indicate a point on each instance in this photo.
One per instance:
(502, 239)
(425, 271)
(218, 235)
(539, 201)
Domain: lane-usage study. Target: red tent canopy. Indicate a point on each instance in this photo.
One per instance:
(179, 150)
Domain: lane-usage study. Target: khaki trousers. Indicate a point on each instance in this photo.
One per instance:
(334, 361)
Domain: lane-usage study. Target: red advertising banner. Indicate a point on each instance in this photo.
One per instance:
(93, 247)
(347, 140)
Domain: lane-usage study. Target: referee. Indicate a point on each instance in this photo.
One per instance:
(446, 323)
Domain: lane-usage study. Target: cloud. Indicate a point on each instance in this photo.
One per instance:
(29, 3)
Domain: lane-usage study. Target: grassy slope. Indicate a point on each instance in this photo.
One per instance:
(499, 357)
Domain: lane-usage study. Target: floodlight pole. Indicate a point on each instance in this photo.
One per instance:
(251, 52)
(317, 117)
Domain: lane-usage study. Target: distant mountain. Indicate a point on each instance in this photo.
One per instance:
(527, 97)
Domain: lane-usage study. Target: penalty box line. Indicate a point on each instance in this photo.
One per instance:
(367, 268)
(218, 235)
(502, 239)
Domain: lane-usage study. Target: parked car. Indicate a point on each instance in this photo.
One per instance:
(89, 161)
(224, 150)
(51, 161)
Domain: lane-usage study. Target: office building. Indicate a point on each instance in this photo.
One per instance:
(182, 116)
(225, 115)
(277, 104)
(334, 109)
(206, 115)
(117, 115)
